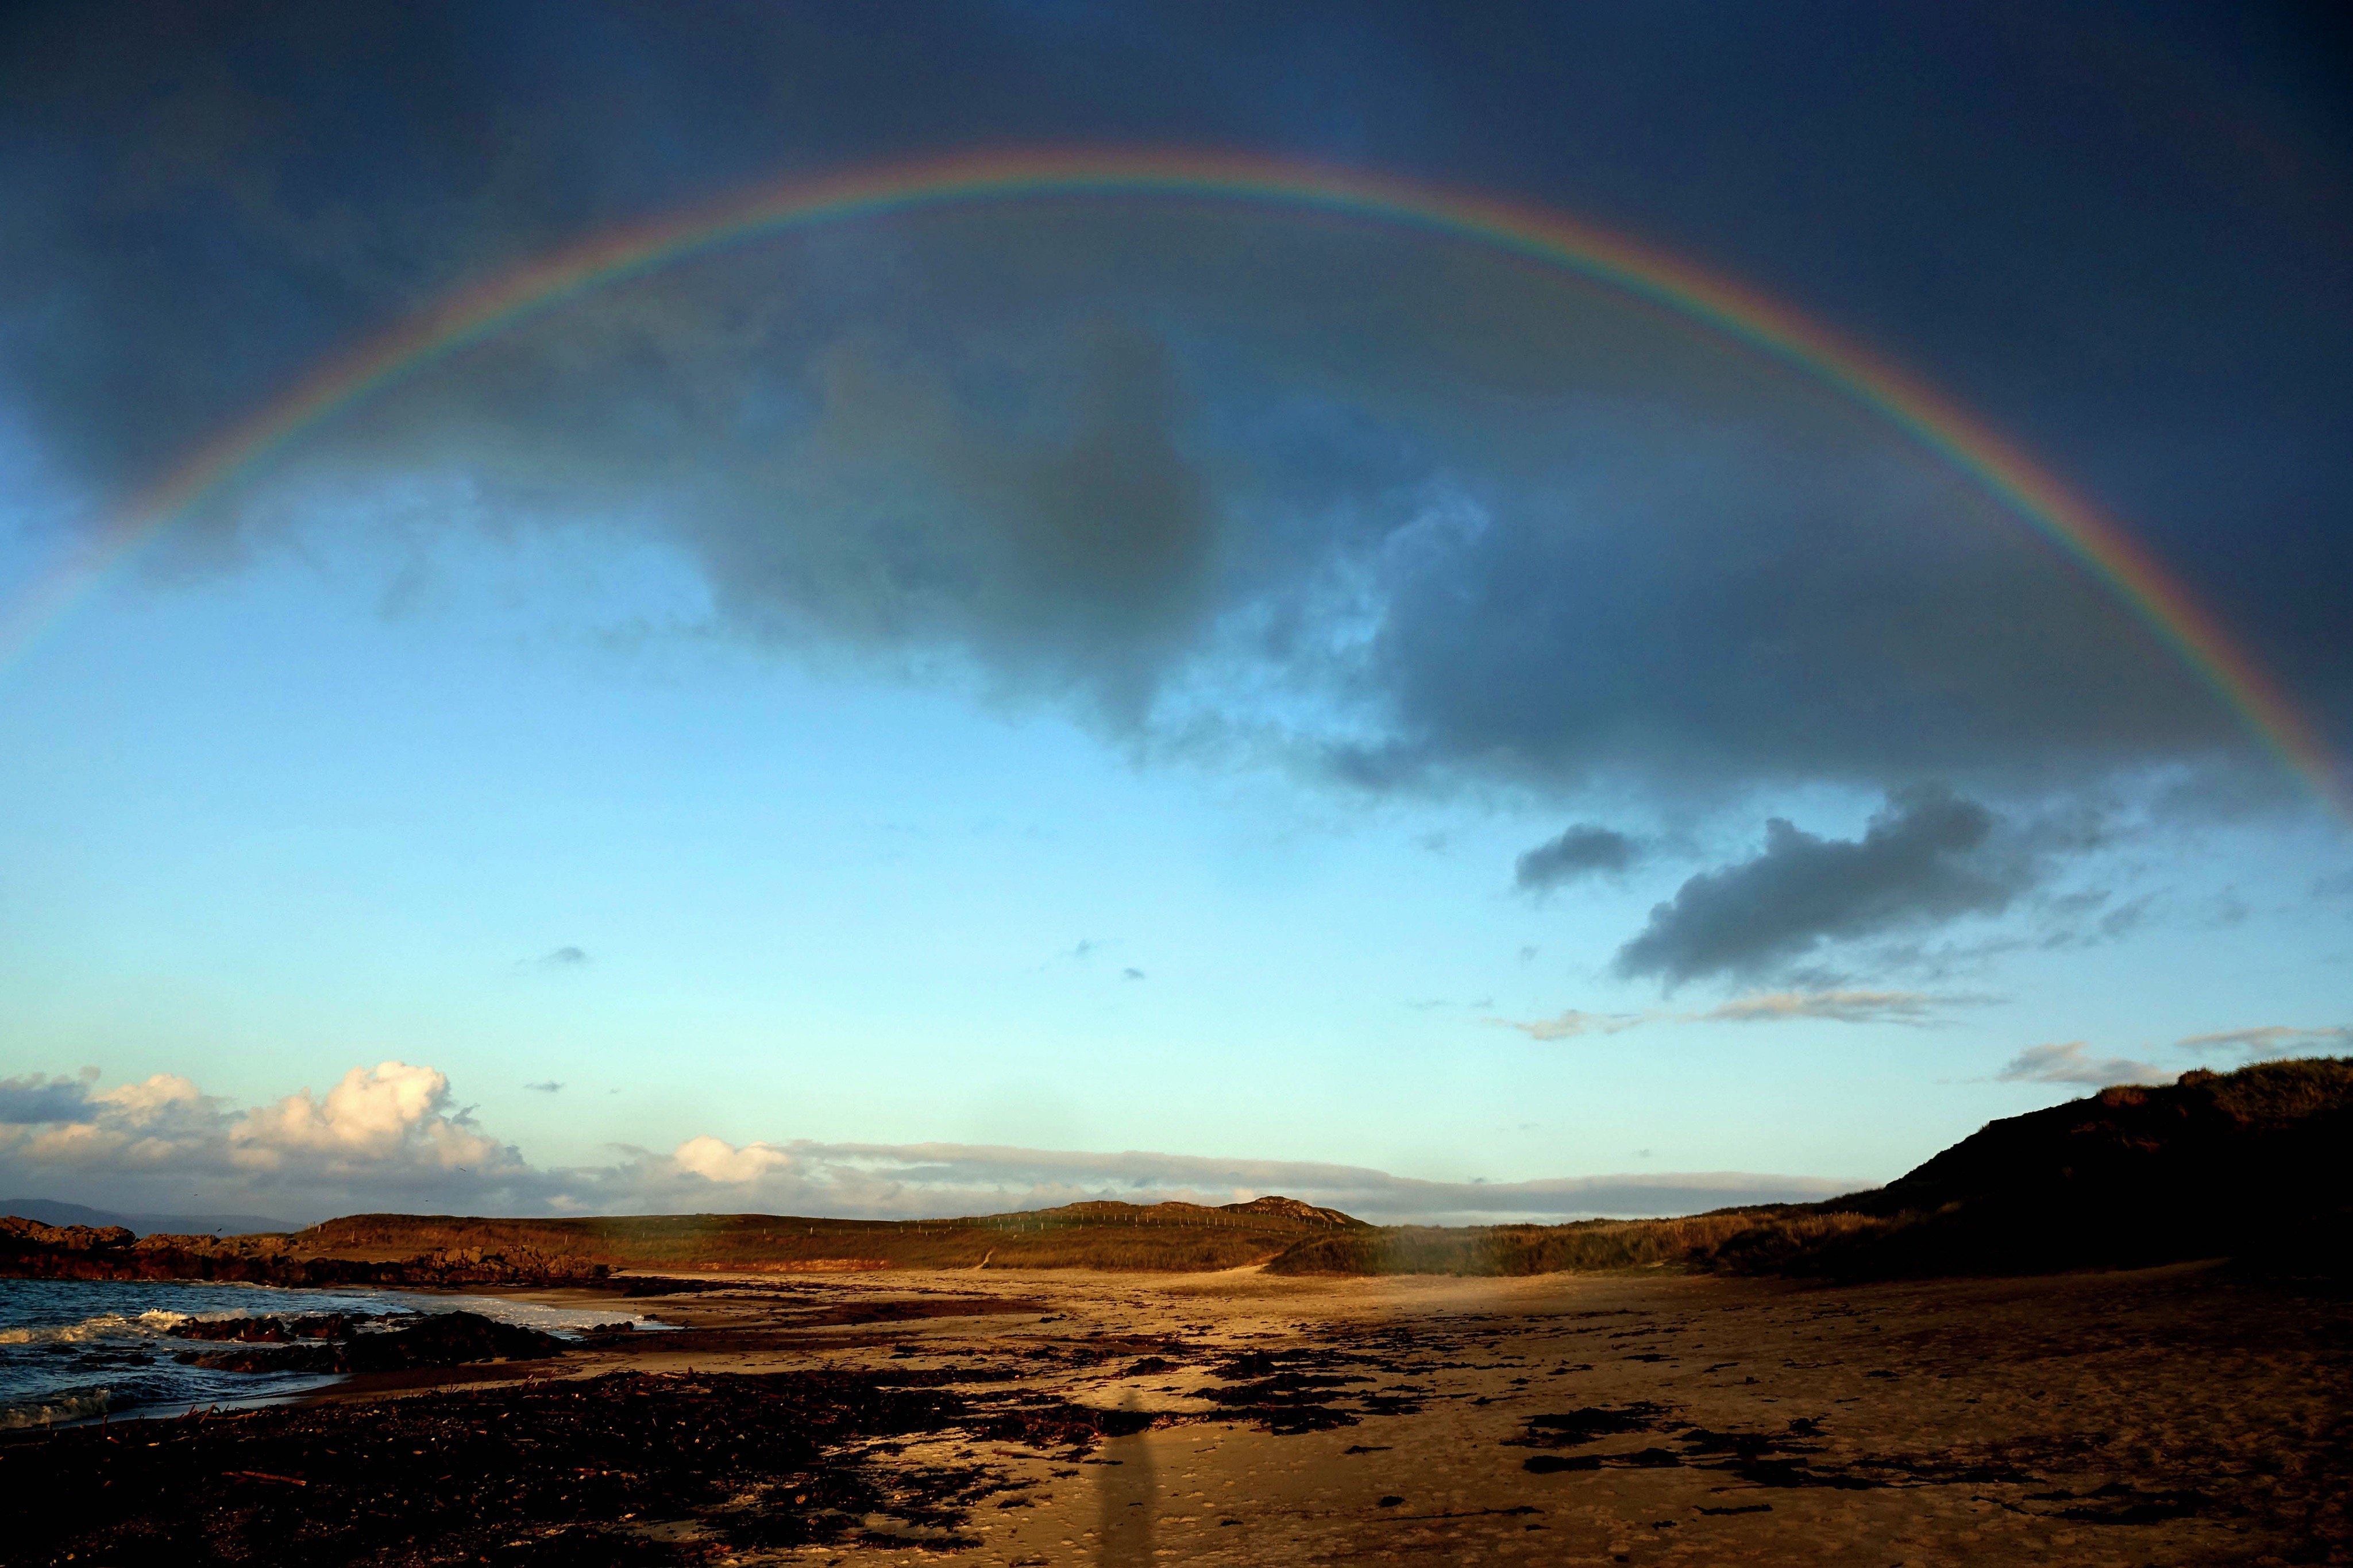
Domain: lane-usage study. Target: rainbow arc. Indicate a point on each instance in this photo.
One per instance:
(2077, 529)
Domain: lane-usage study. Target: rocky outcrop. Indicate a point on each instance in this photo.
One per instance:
(335, 1342)
(29, 1249)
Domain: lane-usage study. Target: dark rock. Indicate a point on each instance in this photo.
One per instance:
(1551, 1463)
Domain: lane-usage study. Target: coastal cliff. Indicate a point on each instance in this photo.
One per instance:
(31, 1250)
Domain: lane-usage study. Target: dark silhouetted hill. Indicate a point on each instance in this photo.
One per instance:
(2255, 1164)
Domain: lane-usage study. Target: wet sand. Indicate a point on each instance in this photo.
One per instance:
(2174, 1415)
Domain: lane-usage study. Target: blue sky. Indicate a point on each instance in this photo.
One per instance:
(941, 706)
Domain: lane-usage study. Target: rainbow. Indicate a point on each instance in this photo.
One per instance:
(2004, 471)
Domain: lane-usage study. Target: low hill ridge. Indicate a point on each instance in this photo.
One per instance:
(2250, 1164)
(1097, 1233)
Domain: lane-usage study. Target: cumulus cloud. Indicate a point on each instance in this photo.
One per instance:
(385, 1137)
(389, 1130)
(2071, 1062)
(2274, 1040)
(1583, 850)
(724, 1164)
(1929, 856)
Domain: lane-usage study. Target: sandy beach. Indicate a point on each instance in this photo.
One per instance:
(2175, 1416)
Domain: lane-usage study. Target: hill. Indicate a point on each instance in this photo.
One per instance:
(49, 1211)
(1096, 1234)
(464, 1250)
(2252, 1164)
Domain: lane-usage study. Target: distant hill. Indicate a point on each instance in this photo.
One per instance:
(1096, 1234)
(2255, 1164)
(49, 1211)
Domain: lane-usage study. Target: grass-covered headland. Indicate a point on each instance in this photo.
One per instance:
(2256, 1164)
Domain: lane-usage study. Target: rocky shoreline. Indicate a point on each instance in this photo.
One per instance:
(339, 1343)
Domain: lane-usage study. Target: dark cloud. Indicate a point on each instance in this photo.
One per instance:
(1583, 850)
(566, 957)
(1077, 560)
(1302, 486)
(549, 1086)
(2116, 923)
(1131, 974)
(2126, 917)
(29, 1100)
(1930, 856)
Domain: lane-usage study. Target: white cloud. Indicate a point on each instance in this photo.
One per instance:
(2071, 1062)
(1572, 1024)
(1844, 1006)
(387, 1125)
(391, 1113)
(716, 1161)
(2274, 1040)
(385, 1138)
(1912, 1007)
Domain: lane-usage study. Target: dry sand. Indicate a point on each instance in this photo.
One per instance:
(2170, 1415)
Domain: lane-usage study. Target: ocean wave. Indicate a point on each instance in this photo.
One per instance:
(75, 1351)
(148, 1325)
(56, 1409)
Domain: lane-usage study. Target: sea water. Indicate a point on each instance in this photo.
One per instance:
(74, 1349)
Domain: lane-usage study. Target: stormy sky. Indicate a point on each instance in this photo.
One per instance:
(858, 718)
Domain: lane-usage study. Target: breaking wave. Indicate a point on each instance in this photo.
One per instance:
(75, 1350)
